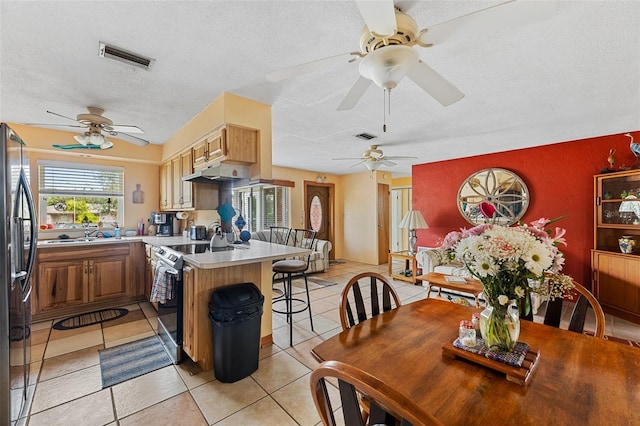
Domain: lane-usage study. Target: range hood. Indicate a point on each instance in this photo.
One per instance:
(219, 173)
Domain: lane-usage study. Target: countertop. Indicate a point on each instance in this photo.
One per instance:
(256, 251)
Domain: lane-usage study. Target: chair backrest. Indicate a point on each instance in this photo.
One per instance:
(351, 298)
(576, 322)
(303, 238)
(279, 235)
(388, 406)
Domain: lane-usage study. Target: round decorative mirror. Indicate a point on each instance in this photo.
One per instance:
(493, 196)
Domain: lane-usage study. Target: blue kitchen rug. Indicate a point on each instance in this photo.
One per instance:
(133, 359)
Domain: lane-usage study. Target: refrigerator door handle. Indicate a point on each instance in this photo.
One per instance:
(23, 189)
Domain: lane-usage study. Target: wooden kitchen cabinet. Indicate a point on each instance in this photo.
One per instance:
(107, 277)
(60, 284)
(82, 278)
(177, 194)
(616, 275)
(188, 313)
(208, 150)
(231, 144)
(166, 186)
(240, 145)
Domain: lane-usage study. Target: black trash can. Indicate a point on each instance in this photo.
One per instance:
(236, 313)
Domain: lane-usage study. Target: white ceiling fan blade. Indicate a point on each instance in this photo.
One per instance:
(312, 66)
(349, 158)
(63, 116)
(130, 138)
(434, 84)
(57, 126)
(399, 157)
(388, 163)
(355, 93)
(123, 128)
(478, 24)
(380, 16)
(363, 160)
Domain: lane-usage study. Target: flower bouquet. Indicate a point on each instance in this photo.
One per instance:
(510, 262)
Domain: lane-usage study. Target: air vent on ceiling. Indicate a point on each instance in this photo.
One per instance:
(366, 136)
(124, 56)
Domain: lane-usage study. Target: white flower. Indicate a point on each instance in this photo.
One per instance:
(503, 300)
(519, 291)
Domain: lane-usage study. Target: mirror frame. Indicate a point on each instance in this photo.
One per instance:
(501, 188)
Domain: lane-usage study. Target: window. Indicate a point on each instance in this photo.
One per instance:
(74, 193)
(262, 206)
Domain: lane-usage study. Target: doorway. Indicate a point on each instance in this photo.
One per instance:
(319, 204)
(383, 223)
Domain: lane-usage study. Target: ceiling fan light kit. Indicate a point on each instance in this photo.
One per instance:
(387, 66)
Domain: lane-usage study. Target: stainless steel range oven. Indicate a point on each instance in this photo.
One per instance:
(167, 291)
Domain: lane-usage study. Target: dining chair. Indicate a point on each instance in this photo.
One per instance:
(388, 405)
(553, 313)
(288, 268)
(380, 290)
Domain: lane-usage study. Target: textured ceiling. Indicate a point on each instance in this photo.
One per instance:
(573, 75)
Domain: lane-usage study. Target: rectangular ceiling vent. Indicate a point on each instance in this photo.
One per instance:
(366, 136)
(124, 56)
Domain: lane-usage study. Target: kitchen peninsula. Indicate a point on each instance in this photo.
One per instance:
(206, 272)
(75, 276)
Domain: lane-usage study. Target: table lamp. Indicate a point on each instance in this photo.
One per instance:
(413, 220)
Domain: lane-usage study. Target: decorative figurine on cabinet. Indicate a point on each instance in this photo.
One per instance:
(634, 147)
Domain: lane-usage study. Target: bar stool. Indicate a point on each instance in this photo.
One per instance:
(302, 238)
(278, 235)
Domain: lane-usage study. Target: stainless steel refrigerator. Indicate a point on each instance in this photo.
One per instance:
(18, 239)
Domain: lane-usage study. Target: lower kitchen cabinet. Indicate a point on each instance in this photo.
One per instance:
(107, 277)
(188, 313)
(73, 279)
(60, 284)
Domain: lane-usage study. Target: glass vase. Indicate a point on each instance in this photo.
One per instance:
(500, 326)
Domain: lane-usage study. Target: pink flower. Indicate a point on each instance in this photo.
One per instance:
(558, 237)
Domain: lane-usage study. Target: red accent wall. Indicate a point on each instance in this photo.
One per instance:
(560, 182)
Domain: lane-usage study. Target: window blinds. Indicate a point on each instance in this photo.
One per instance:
(73, 179)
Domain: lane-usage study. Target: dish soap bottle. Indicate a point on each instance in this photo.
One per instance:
(116, 231)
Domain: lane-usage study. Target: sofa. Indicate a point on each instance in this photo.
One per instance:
(319, 261)
(437, 260)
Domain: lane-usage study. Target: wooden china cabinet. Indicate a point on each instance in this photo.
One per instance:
(616, 275)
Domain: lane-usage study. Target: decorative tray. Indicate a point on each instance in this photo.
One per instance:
(515, 374)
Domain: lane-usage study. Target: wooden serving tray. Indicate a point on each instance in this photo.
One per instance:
(519, 375)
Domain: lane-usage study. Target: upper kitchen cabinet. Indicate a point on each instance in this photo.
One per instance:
(177, 194)
(231, 144)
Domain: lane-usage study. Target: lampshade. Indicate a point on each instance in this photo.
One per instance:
(372, 164)
(106, 145)
(413, 220)
(82, 139)
(96, 139)
(386, 66)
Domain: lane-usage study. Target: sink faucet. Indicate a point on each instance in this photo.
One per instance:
(86, 229)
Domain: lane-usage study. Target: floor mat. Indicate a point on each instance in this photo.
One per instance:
(95, 317)
(124, 362)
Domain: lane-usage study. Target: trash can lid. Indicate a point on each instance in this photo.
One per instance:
(234, 296)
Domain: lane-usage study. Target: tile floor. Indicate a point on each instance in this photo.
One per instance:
(68, 391)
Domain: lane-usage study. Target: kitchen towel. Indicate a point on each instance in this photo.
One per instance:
(163, 285)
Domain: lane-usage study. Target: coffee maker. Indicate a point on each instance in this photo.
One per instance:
(164, 222)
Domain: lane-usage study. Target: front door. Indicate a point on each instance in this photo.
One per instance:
(319, 205)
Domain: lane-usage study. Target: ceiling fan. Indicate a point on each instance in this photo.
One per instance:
(94, 124)
(388, 40)
(373, 158)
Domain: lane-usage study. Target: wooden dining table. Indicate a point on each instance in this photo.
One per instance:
(579, 379)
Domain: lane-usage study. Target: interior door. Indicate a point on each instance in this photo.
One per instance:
(319, 205)
(383, 223)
